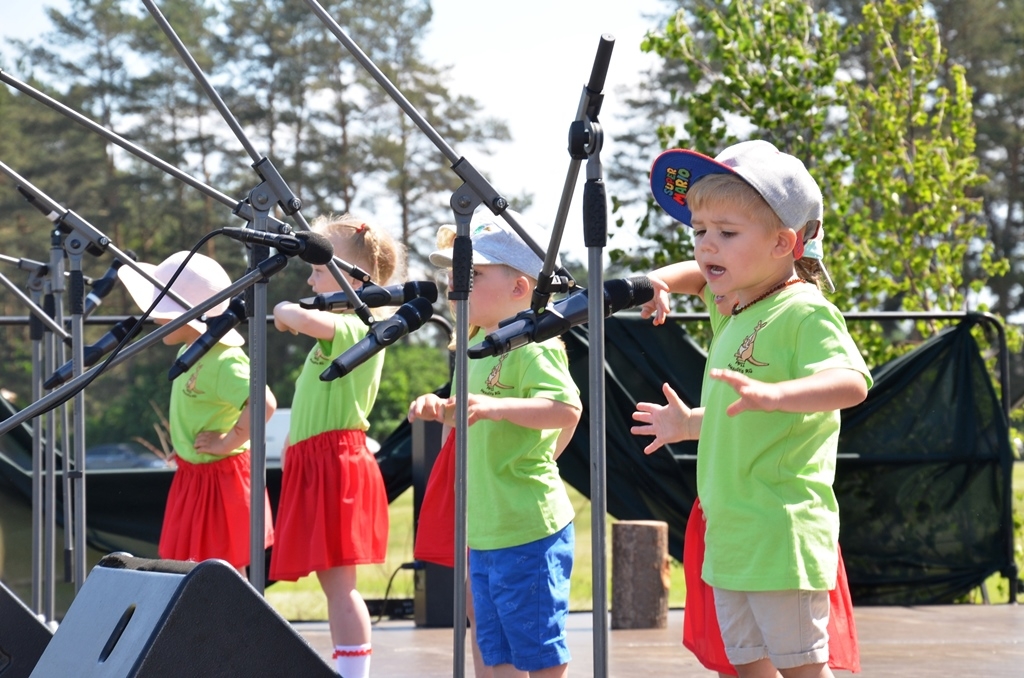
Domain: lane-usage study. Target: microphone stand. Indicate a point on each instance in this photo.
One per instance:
(42, 328)
(49, 455)
(586, 117)
(474, 191)
(272, 190)
(81, 237)
(585, 141)
(43, 502)
(75, 465)
(57, 309)
(464, 201)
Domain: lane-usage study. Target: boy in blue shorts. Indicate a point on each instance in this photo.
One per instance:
(780, 366)
(522, 404)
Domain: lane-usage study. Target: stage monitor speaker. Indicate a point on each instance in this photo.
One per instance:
(140, 618)
(23, 637)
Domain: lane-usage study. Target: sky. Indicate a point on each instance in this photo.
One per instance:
(525, 62)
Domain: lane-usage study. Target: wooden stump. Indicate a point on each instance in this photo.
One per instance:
(640, 574)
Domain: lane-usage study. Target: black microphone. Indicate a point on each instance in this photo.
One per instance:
(374, 296)
(408, 318)
(92, 353)
(306, 245)
(529, 327)
(102, 287)
(216, 328)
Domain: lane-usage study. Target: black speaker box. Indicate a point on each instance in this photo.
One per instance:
(23, 637)
(135, 617)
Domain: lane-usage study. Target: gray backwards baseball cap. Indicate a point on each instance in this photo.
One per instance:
(495, 242)
(781, 179)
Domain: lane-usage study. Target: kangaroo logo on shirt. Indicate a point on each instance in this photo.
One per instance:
(318, 357)
(745, 353)
(493, 382)
(190, 386)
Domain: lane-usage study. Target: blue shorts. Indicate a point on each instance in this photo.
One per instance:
(521, 600)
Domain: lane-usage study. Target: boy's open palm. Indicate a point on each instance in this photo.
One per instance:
(668, 423)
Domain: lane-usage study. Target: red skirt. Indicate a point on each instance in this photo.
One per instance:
(207, 513)
(702, 636)
(435, 528)
(333, 509)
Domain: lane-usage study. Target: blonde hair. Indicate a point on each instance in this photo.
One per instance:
(374, 247)
(719, 189)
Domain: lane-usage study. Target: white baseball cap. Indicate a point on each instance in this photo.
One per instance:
(781, 179)
(200, 280)
(495, 242)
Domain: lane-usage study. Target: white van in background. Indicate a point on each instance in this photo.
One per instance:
(277, 433)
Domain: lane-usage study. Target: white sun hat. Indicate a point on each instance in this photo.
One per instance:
(201, 279)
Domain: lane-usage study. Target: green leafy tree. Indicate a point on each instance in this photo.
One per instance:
(892, 149)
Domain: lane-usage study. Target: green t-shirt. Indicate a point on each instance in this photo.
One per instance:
(209, 397)
(765, 478)
(515, 494)
(342, 404)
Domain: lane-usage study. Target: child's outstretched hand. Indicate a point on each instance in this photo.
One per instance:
(658, 306)
(669, 423)
(831, 389)
(754, 395)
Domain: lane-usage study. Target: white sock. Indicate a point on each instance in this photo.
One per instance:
(353, 661)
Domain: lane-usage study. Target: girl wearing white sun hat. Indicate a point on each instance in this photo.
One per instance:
(207, 514)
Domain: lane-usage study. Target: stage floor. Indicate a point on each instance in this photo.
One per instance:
(943, 640)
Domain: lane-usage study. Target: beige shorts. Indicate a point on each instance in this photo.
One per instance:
(788, 627)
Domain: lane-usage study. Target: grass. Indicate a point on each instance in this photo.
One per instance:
(303, 600)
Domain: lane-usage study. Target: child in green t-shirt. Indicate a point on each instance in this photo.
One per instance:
(207, 513)
(780, 367)
(333, 511)
(521, 405)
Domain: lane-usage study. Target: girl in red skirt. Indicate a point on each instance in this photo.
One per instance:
(207, 513)
(333, 511)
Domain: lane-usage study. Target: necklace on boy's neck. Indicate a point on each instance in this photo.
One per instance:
(737, 309)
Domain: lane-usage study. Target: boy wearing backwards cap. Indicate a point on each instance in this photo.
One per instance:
(207, 514)
(521, 405)
(780, 367)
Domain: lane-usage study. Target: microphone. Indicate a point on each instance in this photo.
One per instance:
(216, 328)
(306, 245)
(102, 287)
(92, 353)
(374, 296)
(529, 327)
(408, 318)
